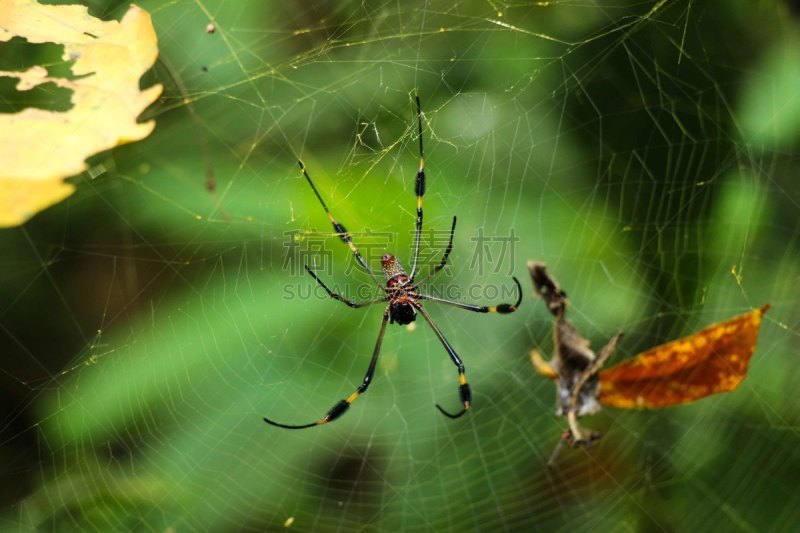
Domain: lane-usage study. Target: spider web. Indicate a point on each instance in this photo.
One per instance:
(646, 151)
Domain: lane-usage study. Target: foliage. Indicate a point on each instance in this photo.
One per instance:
(40, 147)
(150, 320)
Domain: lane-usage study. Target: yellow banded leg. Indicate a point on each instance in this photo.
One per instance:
(464, 391)
(343, 405)
(339, 228)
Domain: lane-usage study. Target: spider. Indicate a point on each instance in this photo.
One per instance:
(403, 301)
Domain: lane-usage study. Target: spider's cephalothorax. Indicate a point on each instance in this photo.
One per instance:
(401, 298)
(399, 291)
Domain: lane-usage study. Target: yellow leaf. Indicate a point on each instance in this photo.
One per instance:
(40, 148)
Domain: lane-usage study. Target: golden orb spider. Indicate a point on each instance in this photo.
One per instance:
(401, 296)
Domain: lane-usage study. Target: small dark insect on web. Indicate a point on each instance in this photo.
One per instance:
(710, 361)
(401, 296)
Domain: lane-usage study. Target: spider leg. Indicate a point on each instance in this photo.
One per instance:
(343, 405)
(447, 250)
(340, 230)
(419, 189)
(335, 296)
(464, 392)
(502, 309)
(445, 257)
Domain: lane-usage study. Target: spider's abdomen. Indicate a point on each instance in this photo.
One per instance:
(402, 312)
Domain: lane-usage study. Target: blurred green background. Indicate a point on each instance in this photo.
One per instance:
(647, 151)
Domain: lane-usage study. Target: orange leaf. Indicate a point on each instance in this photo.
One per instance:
(712, 360)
